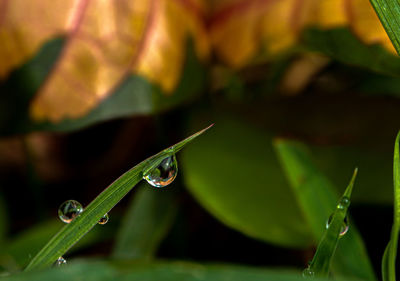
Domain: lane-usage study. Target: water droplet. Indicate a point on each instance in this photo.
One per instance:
(60, 262)
(69, 210)
(343, 203)
(343, 229)
(163, 174)
(104, 219)
(308, 273)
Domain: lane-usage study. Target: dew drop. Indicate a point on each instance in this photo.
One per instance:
(308, 273)
(69, 210)
(163, 174)
(343, 203)
(104, 219)
(343, 229)
(60, 262)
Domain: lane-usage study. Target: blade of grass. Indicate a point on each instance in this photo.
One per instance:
(3, 220)
(101, 205)
(321, 263)
(317, 198)
(389, 257)
(388, 12)
(146, 223)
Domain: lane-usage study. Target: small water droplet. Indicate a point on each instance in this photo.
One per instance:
(104, 219)
(343, 203)
(69, 210)
(60, 262)
(163, 174)
(308, 273)
(343, 229)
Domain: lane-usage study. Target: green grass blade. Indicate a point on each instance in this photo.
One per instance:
(146, 223)
(389, 257)
(321, 263)
(388, 12)
(317, 198)
(101, 205)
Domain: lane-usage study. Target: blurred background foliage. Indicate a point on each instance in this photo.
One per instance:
(90, 88)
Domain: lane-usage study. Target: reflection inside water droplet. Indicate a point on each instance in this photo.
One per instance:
(344, 203)
(163, 174)
(69, 210)
(308, 273)
(104, 219)
(343, 229)
(60, 262)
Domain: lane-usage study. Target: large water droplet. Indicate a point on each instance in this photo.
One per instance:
(163, 174)
(69, 210)
(308, 273)
(60, 262)
(343, 229)
(104, 219)
(343, 203)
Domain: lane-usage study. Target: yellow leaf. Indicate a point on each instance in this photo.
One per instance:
(106, 40)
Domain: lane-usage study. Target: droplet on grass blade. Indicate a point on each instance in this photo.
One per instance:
(163, 174)
(60, 262)
(104, 219)
(308, 273)
(343, 229)
(69, 210)
(344, 203)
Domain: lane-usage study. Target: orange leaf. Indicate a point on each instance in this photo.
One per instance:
(240, 28)
(106, 41)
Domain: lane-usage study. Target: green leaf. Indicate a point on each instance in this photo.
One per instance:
(146, 223)
(342, 45)
(388, 12)
(166, 271)
(317, 198)
(103, 203)
(389, 257)
(239, 181)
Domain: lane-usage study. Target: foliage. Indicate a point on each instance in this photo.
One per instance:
(301, 93)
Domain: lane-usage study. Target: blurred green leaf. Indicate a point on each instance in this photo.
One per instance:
(389, 257)
(147, 221)
(317, 198)
(20, 248)
(102, 204)
(388, 12)
(134, 96)
(342, 45)
(234, 173)
(171, 271)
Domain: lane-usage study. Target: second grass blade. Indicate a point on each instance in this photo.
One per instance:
(317, 198)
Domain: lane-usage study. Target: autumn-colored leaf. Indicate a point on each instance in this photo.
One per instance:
(239, 29)
(108, 40)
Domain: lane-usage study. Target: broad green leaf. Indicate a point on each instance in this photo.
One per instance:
(342, 45)
(318, 198)
(171, 271)
(321, 263)
(389, 257)
(104, 202)
(20, 249)
(239, 181)
(147, 221)
(388, 12)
